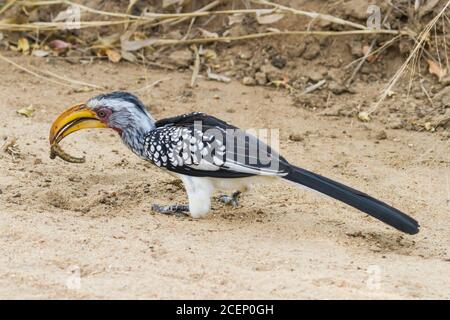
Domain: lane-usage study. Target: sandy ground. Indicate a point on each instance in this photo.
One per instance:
(87, 231)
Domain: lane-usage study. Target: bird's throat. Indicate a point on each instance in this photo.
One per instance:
(134, 135)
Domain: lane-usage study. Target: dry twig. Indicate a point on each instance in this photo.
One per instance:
(70, 84)
(423, 36)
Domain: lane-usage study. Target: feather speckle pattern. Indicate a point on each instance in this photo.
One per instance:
(200, 145)
(177, 146)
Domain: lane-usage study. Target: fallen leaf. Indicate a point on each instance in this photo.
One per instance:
(134, 45)
(67, 16)
(364, 116)
(40, 53)
(267, 17)
(235, 18)
(209, 54)
(208, 34)
(23, 45)
(107, 41)
(113, 55)
(126, 55)
(435, 69)
(27, 111)
(59, 45)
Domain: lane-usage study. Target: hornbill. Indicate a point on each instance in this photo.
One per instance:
(208, 154)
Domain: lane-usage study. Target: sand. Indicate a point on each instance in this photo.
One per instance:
(87, 231)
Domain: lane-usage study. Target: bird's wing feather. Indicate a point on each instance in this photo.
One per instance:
(190, 118)
(200, 145)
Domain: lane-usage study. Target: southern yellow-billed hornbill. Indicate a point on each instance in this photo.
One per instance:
(207, 153)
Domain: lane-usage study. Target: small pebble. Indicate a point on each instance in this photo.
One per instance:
(261, 78)
(337, 88)
(278, 62)
(397, 124)
(248, 81)
(296, 137)
(382, 135)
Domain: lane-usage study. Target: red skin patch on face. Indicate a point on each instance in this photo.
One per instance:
(103, 115)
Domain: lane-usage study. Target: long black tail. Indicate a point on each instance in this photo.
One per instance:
(354, 198)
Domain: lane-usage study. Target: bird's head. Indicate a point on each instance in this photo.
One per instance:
(120, 111)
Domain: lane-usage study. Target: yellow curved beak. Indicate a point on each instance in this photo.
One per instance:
(73, 119)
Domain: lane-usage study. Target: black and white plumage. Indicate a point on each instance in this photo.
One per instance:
(180, 146)
(208, 154)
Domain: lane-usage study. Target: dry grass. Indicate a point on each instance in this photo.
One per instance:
(60, 80)
(129, 24)
(413, 58)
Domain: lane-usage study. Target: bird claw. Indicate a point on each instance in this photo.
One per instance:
(176, 209)
(232, 200)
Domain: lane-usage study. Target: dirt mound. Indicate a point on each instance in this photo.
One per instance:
(329, 65)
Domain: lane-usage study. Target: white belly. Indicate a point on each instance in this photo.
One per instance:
(200, 189)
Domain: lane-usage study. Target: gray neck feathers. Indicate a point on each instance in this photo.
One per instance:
(129, 116)
(134, 133)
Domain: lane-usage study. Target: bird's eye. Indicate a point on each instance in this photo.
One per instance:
(101, 114)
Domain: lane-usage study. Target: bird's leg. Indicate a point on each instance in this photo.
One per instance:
(232, 200)
(176, 209)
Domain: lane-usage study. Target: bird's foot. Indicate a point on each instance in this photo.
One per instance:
(232, 200)
(175, 209)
